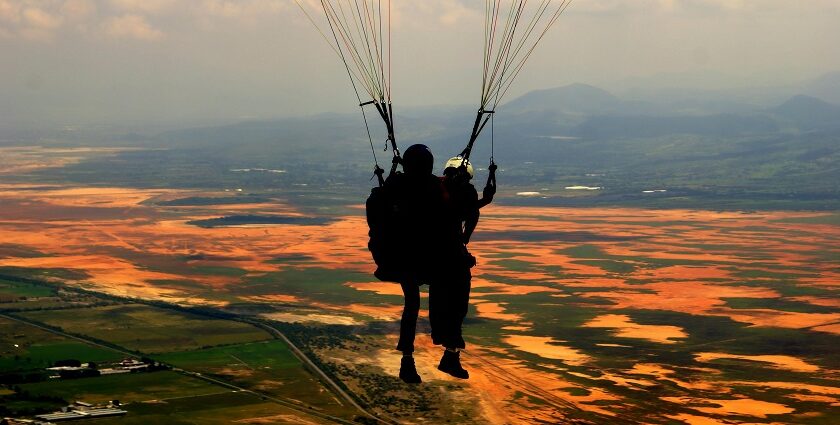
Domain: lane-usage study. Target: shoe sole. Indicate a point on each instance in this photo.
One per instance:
(453, 374)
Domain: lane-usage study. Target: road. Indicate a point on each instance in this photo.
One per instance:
(296, 406)
(320, 373)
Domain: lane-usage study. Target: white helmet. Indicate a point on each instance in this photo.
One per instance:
(457, 161)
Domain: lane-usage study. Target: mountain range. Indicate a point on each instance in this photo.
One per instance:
(546, 139)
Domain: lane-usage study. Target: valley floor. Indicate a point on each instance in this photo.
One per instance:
(599, 315)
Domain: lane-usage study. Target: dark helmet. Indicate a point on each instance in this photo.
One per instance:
(418, 160)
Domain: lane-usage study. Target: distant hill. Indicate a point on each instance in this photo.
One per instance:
(573, 99)
(566, 136)
(720, 125)
(825, 87)
(809, 112)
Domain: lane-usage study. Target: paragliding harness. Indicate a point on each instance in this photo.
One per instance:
(383, 231)
(381, 210)
(383, 217)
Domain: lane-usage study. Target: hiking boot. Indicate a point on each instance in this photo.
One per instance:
(408, 373)
(451, 364)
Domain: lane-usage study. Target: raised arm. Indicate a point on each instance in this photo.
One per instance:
(489, 188)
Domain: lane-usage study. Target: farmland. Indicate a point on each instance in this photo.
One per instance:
(146, 329)
(127, 389)
(268, 366)
(181, 395)
(600, 314)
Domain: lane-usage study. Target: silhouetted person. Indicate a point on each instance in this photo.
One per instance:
(420, 225)
(418, 204)
(449, 297)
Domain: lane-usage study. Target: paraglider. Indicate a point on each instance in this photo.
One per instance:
(419, 224)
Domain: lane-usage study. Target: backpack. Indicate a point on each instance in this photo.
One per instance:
(383, 244)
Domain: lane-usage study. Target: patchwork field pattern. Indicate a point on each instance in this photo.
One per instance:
(668, 316)
(147, 329)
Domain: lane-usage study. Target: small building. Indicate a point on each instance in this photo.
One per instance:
(60, 416)
(110, 371)
(81, 414)
(60, 368)
(105, 412)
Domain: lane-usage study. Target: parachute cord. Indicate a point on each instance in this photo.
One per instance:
(345, 22)
(518, 68)
(491, 22)
(355, 90)
(317, 28)
(507, 36)
(492, 136)
(343, 59)
(370, 138)
(507, 49)
(511, 24)
(368, 35)
(380, 48)
(338, 25)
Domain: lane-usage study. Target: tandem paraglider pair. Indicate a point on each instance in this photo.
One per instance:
(420, 224)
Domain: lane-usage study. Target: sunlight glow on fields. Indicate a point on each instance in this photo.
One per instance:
(556, 292)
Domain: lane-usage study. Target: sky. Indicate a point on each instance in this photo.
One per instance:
(185, 62)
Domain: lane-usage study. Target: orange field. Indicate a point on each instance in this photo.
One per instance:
(576, 309)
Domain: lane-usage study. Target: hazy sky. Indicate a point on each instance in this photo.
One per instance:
(100, 61)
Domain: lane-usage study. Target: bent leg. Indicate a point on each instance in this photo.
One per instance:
(448, 305)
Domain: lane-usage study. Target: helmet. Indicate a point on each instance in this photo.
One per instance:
(418, 159)
(456, 162)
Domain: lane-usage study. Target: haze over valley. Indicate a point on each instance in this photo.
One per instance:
(183, 236)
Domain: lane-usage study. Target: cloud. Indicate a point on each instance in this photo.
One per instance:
(31, 20)
(78, 9)
(143, 6)
(695, 7)
(36, 18)
(131, 26)
(454, 13)
(23, 19)
(9, 12)
(241, 8)
(437, 13)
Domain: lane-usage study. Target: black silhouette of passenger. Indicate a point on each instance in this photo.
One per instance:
(449, 297)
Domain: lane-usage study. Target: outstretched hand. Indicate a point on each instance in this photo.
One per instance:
(490, 187)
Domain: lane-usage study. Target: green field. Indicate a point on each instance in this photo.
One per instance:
(149, 329)
(37, 349)
(21, 293)
(268, 366)
(273, 354)
(127, 388)
(264, 365)
(12, 291)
